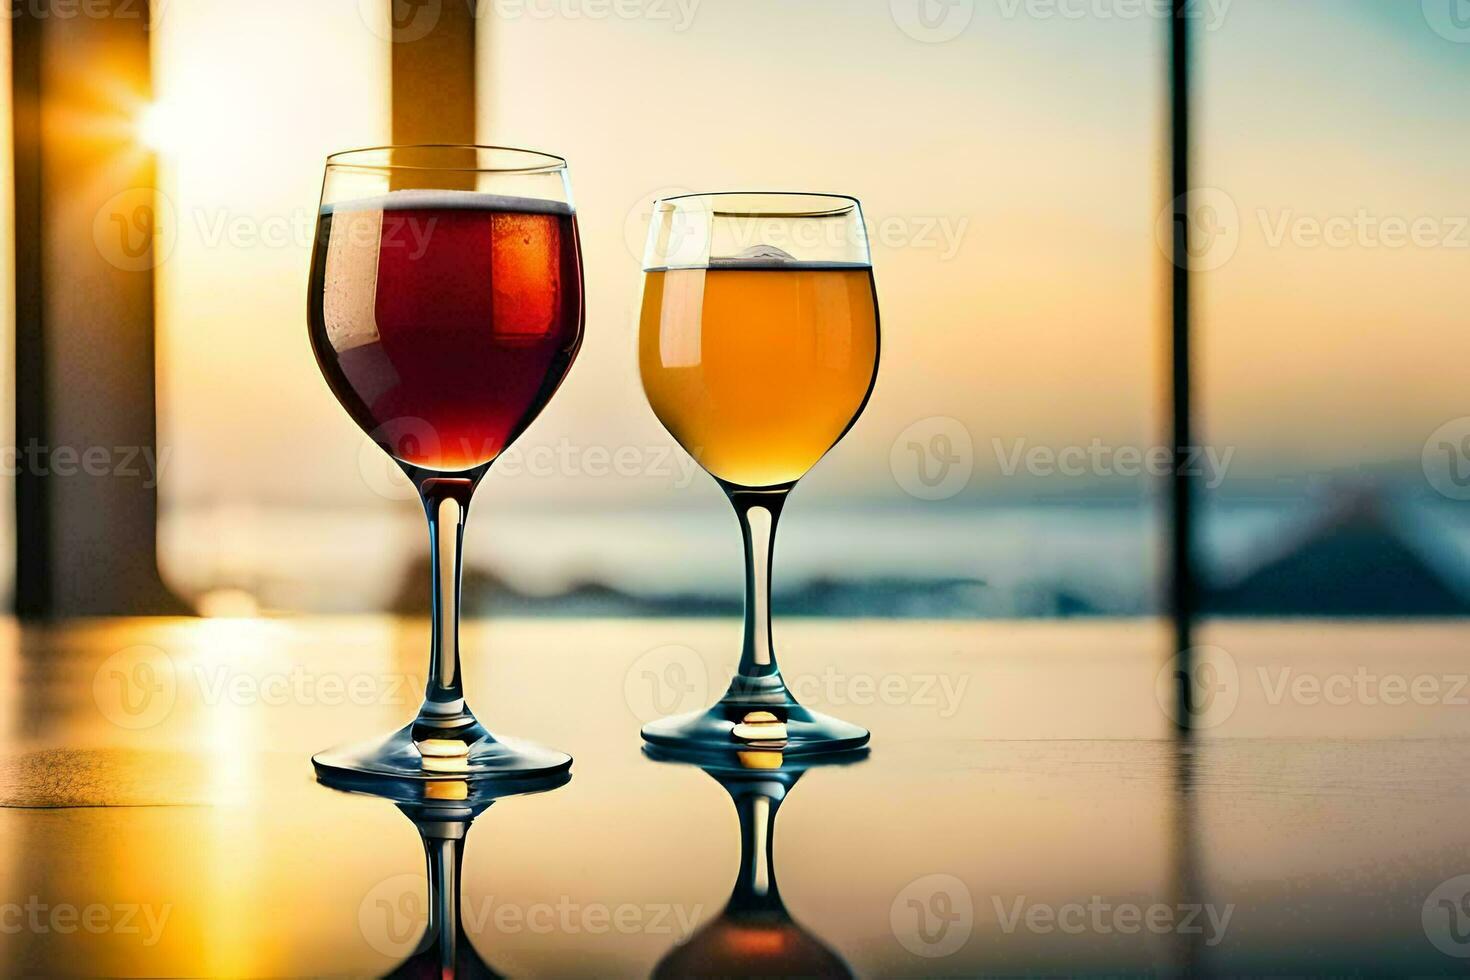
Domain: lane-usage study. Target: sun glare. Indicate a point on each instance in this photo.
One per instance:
(157, 128)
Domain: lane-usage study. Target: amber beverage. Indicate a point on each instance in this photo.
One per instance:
(758, 368)
(758, 346)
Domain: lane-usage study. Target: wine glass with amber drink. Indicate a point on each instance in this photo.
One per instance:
(758, 347)
(445, 310)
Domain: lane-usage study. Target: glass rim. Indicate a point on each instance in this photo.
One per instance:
(380, 158)
(848, 205)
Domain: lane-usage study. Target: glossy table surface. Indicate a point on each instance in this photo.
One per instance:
(1024, 808)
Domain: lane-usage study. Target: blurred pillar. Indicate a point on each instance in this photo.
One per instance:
(86, 232)
(433, 70)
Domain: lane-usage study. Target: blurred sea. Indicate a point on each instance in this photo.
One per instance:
(996, 561)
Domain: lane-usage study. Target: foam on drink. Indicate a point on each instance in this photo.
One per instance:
(439, 199)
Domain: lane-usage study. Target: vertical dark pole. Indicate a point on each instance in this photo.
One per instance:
(433, 71)
(32, 504)
(1182, 584)
(1187, 957)
(86, 221)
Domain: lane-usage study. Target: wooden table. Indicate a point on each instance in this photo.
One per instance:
(1024, 809)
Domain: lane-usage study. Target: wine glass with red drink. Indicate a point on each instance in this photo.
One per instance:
(445, 310)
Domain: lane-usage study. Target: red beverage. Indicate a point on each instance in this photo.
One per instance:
(445, 320)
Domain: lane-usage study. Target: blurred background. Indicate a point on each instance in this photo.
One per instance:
(171, 447)
(1010, 155)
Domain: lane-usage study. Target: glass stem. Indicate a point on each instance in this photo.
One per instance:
(756, 886)
(444, 851)
(444, 713)
(759, 678)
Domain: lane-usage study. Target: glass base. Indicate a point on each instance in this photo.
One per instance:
(480, 756)
(734, 726)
